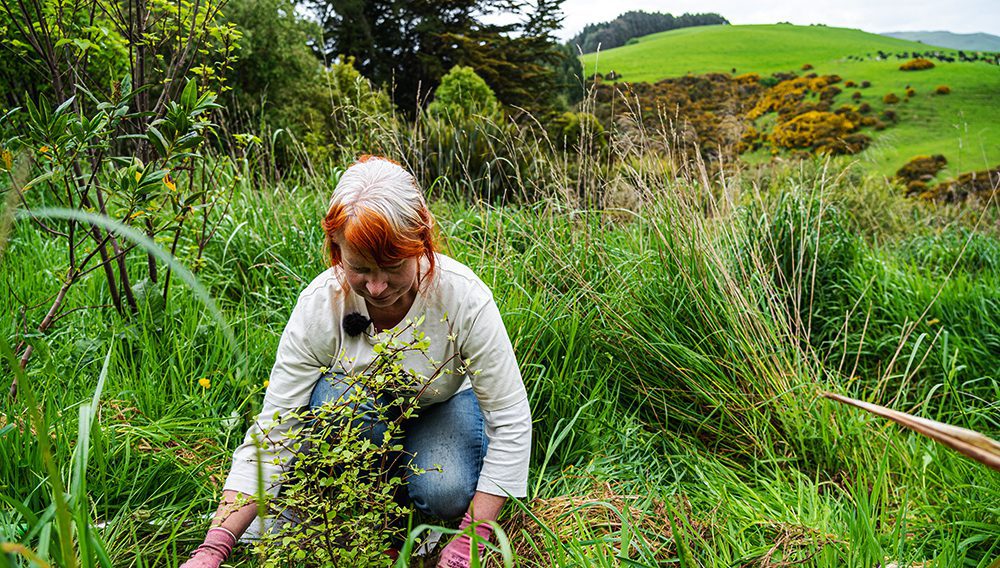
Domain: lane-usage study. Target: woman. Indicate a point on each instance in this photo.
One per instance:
(474, 421)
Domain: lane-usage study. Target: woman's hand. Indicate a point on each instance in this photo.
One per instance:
(458, 553)
(218, 544)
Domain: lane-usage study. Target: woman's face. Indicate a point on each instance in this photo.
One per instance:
(393, 286)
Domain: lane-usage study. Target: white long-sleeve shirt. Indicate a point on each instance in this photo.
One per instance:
(466, 333)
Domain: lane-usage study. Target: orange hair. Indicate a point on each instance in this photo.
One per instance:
(358, 214)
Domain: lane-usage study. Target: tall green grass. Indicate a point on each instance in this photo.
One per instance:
(673, 355)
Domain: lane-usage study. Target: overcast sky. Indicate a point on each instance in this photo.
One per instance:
(958, 16)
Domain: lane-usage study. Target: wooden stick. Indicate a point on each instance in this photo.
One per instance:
(967, 442)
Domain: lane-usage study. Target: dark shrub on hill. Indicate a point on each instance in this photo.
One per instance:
(829, 93)
(850, 113)
(890, 115)
(917, 172)
(910, 92)
(864, 108)
(890, 98)
(807, 67)
(981, 186)
(704, 113)
(750, 140)
(856, 95)
(850, 144)
(918, 64)
(850, 85)
(942, 90)
(866, 84)
(577, 132)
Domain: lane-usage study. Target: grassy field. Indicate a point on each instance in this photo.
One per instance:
(964, 126)
(673, 359)
(676, 331)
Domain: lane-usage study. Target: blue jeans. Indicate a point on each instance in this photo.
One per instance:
(447, 440)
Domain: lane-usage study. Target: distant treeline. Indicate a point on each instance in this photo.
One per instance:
(637, 23)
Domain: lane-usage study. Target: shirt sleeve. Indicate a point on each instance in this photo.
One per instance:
(505, 467)
(496, 380)
(294, 374)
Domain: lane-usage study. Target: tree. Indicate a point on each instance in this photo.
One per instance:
(275, 59)
(118, 147)
(569, 75)
(409, 45)
(462, 94)
(617, 32)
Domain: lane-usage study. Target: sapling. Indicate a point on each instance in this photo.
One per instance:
(340, 502)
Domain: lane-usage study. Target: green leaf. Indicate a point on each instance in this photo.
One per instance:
(189, 141)
(38, 180)
(190, 95)
(64, 106)
(83, 44)
(156, 138)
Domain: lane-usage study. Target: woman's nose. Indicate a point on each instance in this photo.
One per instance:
(376, 287)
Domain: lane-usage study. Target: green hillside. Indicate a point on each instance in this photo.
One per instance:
(964, 126)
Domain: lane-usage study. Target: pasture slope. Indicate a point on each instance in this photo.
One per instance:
(964, 125)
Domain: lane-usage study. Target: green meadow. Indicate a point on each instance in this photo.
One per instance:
(674, 361)
(964, 126)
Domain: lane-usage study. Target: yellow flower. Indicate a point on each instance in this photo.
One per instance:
(204, 382)
(266, 383)
(8, 159)
(138, 176)
(933, 321)
(44, 150)
(169, 183)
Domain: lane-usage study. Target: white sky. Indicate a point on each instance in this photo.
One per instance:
(958, 16)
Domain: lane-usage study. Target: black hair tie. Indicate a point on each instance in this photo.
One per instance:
(355, 324)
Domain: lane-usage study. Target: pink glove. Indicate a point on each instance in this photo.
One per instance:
(458, 553)
(219, 542)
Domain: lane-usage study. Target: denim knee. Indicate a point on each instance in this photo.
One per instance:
(438, 498)
(333, 387)
(448, 442)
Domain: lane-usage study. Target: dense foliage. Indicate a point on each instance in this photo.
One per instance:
(637, 23)
(338, 505)
(406, 47)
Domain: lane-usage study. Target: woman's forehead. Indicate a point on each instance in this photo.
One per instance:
(351, 253)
